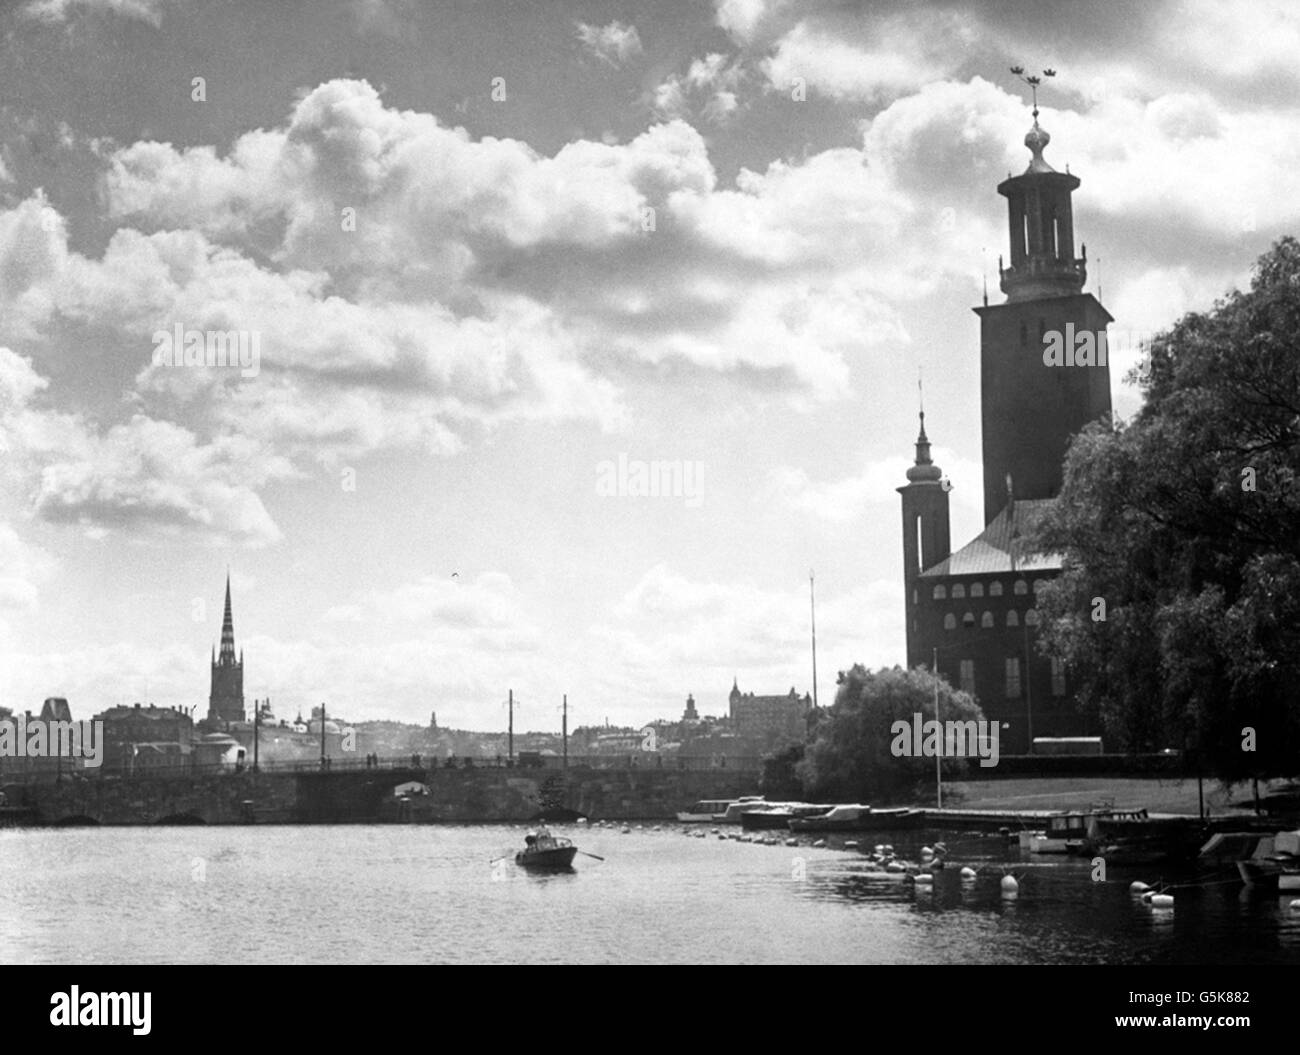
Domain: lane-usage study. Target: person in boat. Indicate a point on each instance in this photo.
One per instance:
(544, 840)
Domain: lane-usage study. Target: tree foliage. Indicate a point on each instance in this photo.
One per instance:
(1185, 522)
(780, 779)
(849, 759)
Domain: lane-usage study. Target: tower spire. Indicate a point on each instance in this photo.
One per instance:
(227, 629)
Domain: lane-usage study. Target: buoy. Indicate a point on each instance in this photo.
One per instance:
(819, 843)
(851, 845)
(1295, 905)
(924, 878)
(1010, 885)
(895, 866)
(626, 831)
(1138, 887)
(1162, 900)
(792, 842)
(722, 837)
(889, 848)
(879, 848)
(968, 873)
(927, 850)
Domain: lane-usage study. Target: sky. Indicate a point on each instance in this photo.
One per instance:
(497, 258)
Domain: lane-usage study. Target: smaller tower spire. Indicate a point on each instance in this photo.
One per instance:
(924, 470)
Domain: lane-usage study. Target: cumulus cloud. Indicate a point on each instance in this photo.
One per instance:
(710, 87)
(61, 10)
(613, 44)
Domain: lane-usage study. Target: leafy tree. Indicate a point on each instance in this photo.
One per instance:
(780, 780)
(1178, 608)
(850, 759)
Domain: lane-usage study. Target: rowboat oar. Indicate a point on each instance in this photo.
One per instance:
(596, 856)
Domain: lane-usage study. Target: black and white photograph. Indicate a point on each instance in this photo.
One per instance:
(710, 482)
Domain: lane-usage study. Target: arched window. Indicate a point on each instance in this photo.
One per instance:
(1013, 618)
(950, 622)
(958, 591)
(977, 589)
(968, 620)
(995, 589)
(1021, 588)
(940, 593)
(986, 621)
(1039, 586)
(1031, 617)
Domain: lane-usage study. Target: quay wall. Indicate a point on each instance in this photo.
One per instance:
(366, 796)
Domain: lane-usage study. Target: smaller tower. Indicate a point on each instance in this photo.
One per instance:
(926, 538)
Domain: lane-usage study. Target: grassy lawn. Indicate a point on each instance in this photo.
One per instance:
(1068, 793)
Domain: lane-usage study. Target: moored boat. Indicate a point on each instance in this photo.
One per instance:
(853, 817)
(780, 814)
(707, 809)
(1274, 864)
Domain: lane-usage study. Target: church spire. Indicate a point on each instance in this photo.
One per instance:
(227, 629)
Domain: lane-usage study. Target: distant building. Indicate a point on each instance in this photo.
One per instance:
(162, 733)
(56, 709)
(769, 718)
(226, 699)
(690, 714)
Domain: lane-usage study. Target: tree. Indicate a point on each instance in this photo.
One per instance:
(780, 779)
(850, 759)
(1178, 607)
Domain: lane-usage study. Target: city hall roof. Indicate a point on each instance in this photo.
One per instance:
(1000, 547)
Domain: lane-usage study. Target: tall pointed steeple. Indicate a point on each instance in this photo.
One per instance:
(227, 630)
(226, 699)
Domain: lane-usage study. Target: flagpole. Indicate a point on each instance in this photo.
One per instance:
(938, 757)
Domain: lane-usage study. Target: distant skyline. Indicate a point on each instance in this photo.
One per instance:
(489, 250)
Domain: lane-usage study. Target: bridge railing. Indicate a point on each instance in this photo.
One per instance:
(44, 771)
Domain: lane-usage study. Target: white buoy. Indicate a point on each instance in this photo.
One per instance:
(1010, 885)
(626, 831)
(1295, 905)
(895, 866)
(968, 873)
(924, 879)
(879, 848)
(819, 843)
(851, 845)
(1138, 887)
(1162, 900)
(926, 850)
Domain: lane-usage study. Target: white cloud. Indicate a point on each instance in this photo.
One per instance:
(613, 44)
(61, 10)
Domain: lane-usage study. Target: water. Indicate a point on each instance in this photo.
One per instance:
(424, 894)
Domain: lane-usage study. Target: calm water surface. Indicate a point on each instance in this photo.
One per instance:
(424, 894)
